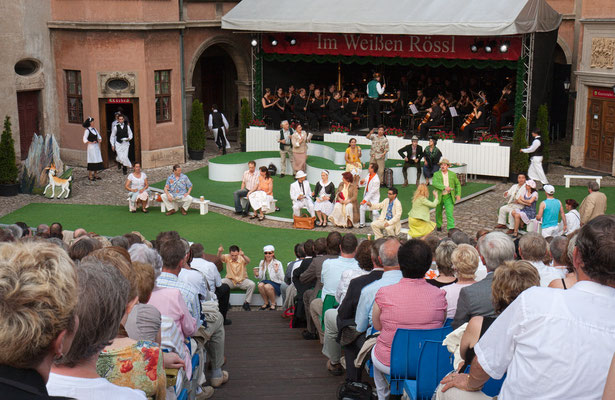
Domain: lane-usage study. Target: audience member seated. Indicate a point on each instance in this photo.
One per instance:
(533, 248)
(561, 249)
(136, 184)
(102, 306)
(515, 341)
(419, 219)
(236, 272)
(513, 194)
(271, 268)
(411, 303)
(324, 195)
(509, 281)
(82, 247)
(55, 230)
(300, 195)
(346, 211)
(144, 320)
(177, 192)
(391, 275)
(444, 262)
(311, 277)
(260, 198)
(120, 241)
(248, 182)
(349, 338)
(217, 290)
(331, 348)
(195, 278)
(38, 292)
(494, 248)
(594, 204)
(331, 274)
(288, 295)
(145, 357)
(43, 231)
(389, 221)
(573, 218)
(465, 262)
(528, 212)
(548, 212)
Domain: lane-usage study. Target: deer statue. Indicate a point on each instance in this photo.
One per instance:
(54, 182)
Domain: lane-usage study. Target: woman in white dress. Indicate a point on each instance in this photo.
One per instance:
(260, 197)
(137, 185)
(324, 193)
(573, 218)
(92, 138)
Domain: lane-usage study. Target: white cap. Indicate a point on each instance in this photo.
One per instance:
(268, 248)
(549, 189)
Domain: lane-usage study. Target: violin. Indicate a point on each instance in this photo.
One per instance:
(472, 115)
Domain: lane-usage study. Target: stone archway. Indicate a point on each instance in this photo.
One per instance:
(219, 72)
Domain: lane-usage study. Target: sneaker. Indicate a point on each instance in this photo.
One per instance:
(228, 322)
(246, 306)
(281, 175)
(217, 382)
(335, 369)
(439, 229)
(207, 393)
(361, 225)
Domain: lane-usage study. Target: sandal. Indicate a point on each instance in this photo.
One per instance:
(91, 179)
(317, 223)
(272, 307)
(253, 216)
(261, 218)
(145, 210)
(264, 307)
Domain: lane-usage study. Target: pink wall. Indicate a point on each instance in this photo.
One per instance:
(598, 9)
(115, 10)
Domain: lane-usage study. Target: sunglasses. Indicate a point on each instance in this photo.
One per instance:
(269, 252)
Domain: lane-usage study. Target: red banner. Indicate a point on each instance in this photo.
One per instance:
(410, 46)
(607, 94)
(118, 101)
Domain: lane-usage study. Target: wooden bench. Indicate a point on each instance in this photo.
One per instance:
(590, 177)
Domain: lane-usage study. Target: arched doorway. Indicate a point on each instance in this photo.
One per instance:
(214, 79)
(558, 114)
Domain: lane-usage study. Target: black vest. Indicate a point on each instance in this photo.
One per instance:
(217, 121)
(92, 136)
(121, 132)
(538, 151)
(290, 132)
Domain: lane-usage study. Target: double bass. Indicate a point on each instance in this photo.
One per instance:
(471, 116)
(501, 107)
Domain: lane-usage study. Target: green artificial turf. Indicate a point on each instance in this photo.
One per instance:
(578, 193)
(222, 192)
(211, 229)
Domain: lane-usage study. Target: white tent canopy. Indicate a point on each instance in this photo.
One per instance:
(400, 17)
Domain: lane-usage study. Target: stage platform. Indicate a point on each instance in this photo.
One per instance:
(487, 159)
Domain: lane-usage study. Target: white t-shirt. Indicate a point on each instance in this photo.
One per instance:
(137, 183)
(196, 279)
(90, 389)
(210, 272)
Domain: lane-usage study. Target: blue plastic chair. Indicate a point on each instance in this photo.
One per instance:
(183, 395)
(405, 351)
(492, 386)
(434, 363)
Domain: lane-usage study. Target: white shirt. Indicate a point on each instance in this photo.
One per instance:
(210, 272)
(210, 122)
(90, 389)
(481, 271)
(535, 145)
(515, 192)
(347, 276)
(547, 273)
(137, 183)
(113, 140)
(331, 274)
(573, 221)
(379, 88)
(552, 343)
(196, 279)
(372, 189)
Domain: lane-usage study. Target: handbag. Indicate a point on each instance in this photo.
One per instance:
(303, 222)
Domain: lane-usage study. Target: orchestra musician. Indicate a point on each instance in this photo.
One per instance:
(317, 106)
(336, 111)
(281, 106)
(374, 90)
(478, 120)
(435, 118)
(397, 109)
(504, 111)
(302, 111)
(464, 105)
(269, 103)
(421, 100)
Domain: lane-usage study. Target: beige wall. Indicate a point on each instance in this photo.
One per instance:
(115, 10)
(24, 35)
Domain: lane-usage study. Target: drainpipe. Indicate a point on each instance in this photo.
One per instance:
(182, 77)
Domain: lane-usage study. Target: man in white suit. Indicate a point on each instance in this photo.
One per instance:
(370, 194)
(389, 222)
(300, 193)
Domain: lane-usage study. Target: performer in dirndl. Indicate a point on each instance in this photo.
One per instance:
(92, 138)
(121, 135)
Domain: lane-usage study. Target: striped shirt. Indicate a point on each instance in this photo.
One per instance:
(250, 180)
(189, 294)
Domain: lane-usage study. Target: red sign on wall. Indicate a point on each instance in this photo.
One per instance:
(603, 93)
(406, 46)
(118, 101)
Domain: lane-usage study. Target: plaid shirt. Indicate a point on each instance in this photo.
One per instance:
(190, 295)
(250, 180)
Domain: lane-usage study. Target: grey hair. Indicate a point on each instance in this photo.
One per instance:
(593, 186)
(102, 300)
(140, 252)
(444, 254)
(120, 241)
(186, 245)
(376, 251)
(495, 248)
(388, 252)
(59, 242)
(572, 243)
(558, 249)
(15, 230)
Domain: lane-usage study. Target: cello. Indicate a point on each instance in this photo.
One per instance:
(471, 116)
(501, 107)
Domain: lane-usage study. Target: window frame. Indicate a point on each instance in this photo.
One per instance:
(161, 95)
(74, 77)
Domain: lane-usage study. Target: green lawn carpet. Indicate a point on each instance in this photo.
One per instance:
(222, 192)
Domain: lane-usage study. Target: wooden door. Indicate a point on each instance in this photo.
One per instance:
(600, 137)
(27, 108)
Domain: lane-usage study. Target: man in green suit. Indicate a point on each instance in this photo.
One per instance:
(449, 191)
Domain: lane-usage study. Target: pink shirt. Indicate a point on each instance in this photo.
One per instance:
(171, 304)
(409, 304)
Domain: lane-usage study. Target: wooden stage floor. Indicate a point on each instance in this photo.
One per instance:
(268, 360)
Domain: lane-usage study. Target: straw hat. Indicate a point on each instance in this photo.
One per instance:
(300, 174)
(445, 161)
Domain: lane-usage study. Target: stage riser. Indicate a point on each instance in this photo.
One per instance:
(484, 159)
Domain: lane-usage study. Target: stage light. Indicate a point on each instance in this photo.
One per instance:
(476, 46)
(291, 40)
(504, 46)
(254, 42)
(489, 47)
(273, 41)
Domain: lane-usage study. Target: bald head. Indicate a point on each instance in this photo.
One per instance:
(388, 253)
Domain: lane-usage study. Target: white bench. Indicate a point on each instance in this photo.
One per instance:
(203, 205)
(591, 177)
(272, 205)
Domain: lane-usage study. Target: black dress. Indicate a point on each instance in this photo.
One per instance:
(23, 384)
